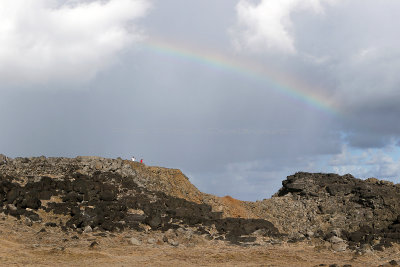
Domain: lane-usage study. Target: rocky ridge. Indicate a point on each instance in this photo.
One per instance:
(97, 194)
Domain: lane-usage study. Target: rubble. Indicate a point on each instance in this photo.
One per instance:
(93, 194)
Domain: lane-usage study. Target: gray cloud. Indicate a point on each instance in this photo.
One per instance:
(231, 133)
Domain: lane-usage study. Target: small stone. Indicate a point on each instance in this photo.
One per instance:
(336, 232)
(189, 234)
(155, 221)
(393, 263)
(259, 232)
(28, 222)
(87, 229)
(93, 244)
(134, 241)
(339, 247)
(170, 233)
(335, 239)
(151, 241)
(173, 242)
(11, 207)
(298, 236)
(365, 249)
(181, 230)
(310, 234)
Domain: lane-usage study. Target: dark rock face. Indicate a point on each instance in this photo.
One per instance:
(364, 211)
(108, 201)
(97, 194)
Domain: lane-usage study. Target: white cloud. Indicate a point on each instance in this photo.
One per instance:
(381, 163)
(267, 25)
(346, 158)
(48, 40)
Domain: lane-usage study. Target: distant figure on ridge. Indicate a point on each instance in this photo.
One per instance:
(141, 161)
(133, 159)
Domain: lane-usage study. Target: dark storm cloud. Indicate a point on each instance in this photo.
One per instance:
(374, 123)
(355, 46)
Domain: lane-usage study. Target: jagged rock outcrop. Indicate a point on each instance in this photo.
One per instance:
(111, 195)
(171, 181)
(97, 194)
(329, 204)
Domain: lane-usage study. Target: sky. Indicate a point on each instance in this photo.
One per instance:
(238, 94)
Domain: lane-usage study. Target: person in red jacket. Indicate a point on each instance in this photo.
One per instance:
(141, 161)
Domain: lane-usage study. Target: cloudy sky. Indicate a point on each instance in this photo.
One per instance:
(236, 93)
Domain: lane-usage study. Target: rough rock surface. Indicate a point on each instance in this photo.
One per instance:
(93, 194)
(332, 205)
(104, 195)
(171, 181)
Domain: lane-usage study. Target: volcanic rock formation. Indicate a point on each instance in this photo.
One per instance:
(93, 193)
(112, 195)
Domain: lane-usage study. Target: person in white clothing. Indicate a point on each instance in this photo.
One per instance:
(133, 159)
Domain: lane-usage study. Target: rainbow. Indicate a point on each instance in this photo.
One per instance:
(283, 83)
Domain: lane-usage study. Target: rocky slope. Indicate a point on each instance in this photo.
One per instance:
(336, 207)
(91, 193)
(96, 194)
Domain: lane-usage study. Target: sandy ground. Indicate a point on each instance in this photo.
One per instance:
(22, 245)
